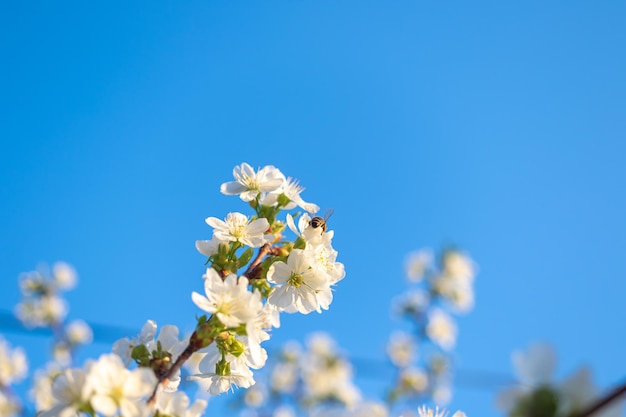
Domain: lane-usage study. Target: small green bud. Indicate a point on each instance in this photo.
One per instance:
(141, 355)
(236, 348)
(283, 200)
(222, 368)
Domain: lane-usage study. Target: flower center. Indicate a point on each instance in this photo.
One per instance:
(295, 280)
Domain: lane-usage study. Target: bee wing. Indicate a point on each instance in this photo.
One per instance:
(329, 212)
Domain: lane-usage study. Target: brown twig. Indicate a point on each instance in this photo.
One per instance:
(195, 343)
(254, 269)
(604, 401)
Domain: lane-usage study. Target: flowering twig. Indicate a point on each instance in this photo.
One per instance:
(195, 343)
(254, 269)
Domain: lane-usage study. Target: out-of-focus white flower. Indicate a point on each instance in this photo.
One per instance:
(115, 390)
(284, 377)
(417, 263)
(458, 265)
(326, 374)
(401, 348)
(255, 396)
(41, 391)
(284, 411)
(536, 365)
(236, 227)
(42, 311)
(299, 286)
(13, 363)
(441, 329)
(442, 393)
(229, 299)
(177, 405)
(413, 302)
(67, 391)
(78, 333)
(65, 276)
(364, 409)
(249, 184)
(9, 407)
(413, 379)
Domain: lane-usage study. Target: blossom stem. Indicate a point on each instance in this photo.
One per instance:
(604, 401)
(254, 269)
(195, 343)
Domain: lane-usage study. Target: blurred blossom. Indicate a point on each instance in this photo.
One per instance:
(13, 364)
(364, 409)
(412, 302)
(441, 329)
(67, 391)
(535, 365)
(78, 333)
(9, 407)
(284, 377)
(417, 264)
(284, 411)
(40, 312)
(65, 276)
(442, 394)
(177, 405)
(459, 266)
(255, 396)
(401, 348)
(538, 393)
(41, 391)
(413, 380)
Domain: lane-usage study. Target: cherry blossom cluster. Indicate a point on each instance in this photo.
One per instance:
(244, 294)
(316, 380)
(536, 394)
(43, 306)
(436, 289)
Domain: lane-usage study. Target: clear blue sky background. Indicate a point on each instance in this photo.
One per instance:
(497, 126)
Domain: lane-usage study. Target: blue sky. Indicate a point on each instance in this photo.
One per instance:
(496, 126)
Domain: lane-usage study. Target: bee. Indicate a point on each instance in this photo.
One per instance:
(318, 221)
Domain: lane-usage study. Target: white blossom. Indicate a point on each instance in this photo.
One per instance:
(236, 227)
(300, 287)
(177, 405)
(115, 390)
(229, 299)
(249, 184)
(235, 372)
